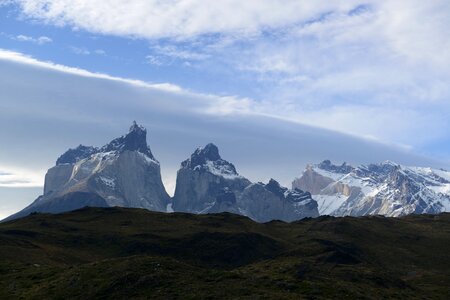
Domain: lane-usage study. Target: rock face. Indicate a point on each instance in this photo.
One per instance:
(121, 173)
(208, 184)
(204, 178)
(386, 189)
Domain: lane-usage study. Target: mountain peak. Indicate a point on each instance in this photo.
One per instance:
(135, 140)
(328, 166)
(135, 127)
(204, 154)
(71, 156)
(209, 152)
(208, 158)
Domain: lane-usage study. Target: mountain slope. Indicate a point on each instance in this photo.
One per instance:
(386, 189)
(116, 253)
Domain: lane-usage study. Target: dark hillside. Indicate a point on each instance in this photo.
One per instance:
(115, 253)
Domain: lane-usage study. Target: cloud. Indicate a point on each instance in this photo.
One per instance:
(178, 19)
(80, 51)
(21, 178)
(100, 52)
(24, 59)
(176, 52)
(40, 40)
(306, 61)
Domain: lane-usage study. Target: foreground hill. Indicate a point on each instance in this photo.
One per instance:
(120, 253)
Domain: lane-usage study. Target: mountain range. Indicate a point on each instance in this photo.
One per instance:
(125, 173)
(387, 189)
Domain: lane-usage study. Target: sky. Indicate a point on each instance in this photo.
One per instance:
(276, 84)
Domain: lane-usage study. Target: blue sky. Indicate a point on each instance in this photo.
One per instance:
(374, 72)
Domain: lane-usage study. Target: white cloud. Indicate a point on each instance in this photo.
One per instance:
(40, 40)
(309, 60)
(20, 178)
(80, 51)
(154, 60)
(100, 52)
(24, 59)
(176, 52)
(179, 19)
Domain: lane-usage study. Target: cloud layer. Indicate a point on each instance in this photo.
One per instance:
(377, 69)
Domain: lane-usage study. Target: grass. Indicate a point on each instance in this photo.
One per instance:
(117, 253)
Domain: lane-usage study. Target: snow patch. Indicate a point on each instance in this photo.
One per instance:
(224, 171)
(109, 182)
(327, 204)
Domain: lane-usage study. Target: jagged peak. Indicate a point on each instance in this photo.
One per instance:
(390, 163)
(209, 152)
(275, 187)
(71, 156)
(295, 195)
(208, 159)
(134, 140)
(202, 155)
(327, 165)
(136, 127)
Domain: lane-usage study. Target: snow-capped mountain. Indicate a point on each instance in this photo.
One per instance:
(208, 184)
(386, 189)
(122, 173)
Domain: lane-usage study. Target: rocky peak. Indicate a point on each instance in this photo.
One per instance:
(208, 159)
(328, 166)
(294, 195)
(275, 187)
(377, 171)
(135, 140)
(203, 154)
(71, 156)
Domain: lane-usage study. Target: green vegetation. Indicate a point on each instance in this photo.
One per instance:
(117, 253)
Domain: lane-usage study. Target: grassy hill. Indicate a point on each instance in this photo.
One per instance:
(116, 253)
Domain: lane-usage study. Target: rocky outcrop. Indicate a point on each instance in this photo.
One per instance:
(311, 181)
(122, 173)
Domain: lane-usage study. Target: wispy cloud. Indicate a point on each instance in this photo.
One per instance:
(100, 52)
(80, 50)
(25, 38)
(24, 59)
(179, 19)
(20, 178)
